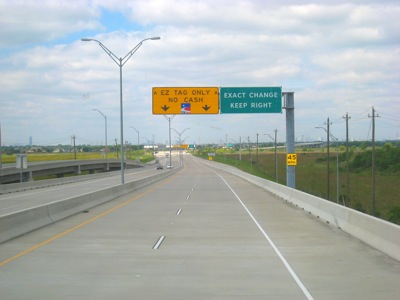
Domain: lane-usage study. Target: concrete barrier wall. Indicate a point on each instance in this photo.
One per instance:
(31, 185)
(22, 222)
(17, 224)
(379, 234)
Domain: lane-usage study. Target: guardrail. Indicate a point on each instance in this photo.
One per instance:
(19, 223)
(379, 234)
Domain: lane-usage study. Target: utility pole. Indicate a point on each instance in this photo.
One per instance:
(257, 150)
(276, 157)
(240, 148)
(347, 201)
(327, 159)
(251, 156)
(373, 116)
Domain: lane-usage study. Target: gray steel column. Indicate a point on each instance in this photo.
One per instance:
(121, 121)
(289, 106)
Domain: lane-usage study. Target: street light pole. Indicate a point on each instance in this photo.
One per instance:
(180, 133)
(105, 131)
(120, 62)
(180, 143)
(137, 131)
(169, 119)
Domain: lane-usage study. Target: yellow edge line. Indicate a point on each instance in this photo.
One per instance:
(81, 225)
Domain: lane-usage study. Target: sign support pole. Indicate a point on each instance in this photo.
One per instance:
(289, 106)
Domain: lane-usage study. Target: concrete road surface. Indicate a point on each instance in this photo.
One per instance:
(200, 234)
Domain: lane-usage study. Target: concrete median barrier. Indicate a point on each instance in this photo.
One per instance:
(19, 223)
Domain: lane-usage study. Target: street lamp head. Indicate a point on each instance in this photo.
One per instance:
(155, 38)
(95, 109)
(85, 40)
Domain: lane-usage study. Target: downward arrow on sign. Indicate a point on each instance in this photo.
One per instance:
(165, 107)
(206, 107)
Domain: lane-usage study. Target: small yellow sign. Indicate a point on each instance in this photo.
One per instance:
(291, 159)
(210, 158)
(185, 100)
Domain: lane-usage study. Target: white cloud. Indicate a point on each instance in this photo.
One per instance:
(335, 57)
(25, 23)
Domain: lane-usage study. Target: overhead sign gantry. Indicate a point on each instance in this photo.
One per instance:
(230, 100)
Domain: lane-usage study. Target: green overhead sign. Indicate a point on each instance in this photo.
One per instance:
(244, 100)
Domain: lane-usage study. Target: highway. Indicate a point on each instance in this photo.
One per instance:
(13, 202)
(201, 233)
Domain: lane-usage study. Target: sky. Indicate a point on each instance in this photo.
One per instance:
(338, 57)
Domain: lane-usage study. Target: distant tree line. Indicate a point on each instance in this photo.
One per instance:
(387, 158)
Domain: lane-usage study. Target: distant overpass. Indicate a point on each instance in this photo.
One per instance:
(310, 144)
(10, 174)
(300, 145)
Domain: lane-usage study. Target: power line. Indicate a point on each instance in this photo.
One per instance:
(387, 116)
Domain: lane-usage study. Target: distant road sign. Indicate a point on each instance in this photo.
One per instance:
(185, 100)
(291, 159)
(241, 100)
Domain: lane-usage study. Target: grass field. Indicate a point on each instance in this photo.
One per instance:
(32, 157)
(311, 177)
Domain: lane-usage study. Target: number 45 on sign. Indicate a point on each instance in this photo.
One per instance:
(291, 159)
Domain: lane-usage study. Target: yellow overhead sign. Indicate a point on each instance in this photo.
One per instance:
(185, 100)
